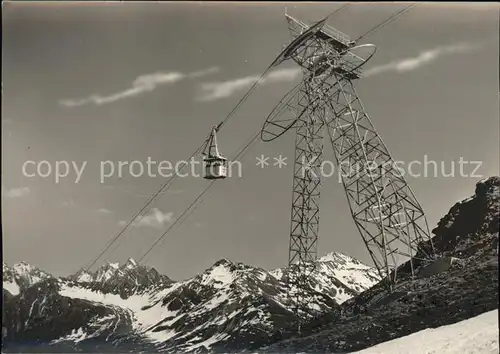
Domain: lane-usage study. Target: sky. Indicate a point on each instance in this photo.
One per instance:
(90, 85)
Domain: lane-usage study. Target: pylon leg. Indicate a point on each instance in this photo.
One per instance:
(385, 210)
(304, 230)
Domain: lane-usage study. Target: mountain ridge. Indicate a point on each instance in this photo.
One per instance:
(230, 304)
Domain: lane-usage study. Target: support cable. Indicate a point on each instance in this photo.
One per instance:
(192, 206)
(385, 22)
(170, 180)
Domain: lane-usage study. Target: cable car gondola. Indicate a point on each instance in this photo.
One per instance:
(215, 165)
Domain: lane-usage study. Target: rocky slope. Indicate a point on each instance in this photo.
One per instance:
(230, 306)
(462, 283)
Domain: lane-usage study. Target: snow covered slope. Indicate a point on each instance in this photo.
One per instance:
(477, 335)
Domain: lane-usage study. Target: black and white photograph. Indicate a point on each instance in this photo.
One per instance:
(250, 177)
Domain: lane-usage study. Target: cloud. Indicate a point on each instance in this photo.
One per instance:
(142, 84)
(425, 57)
(200, 73)
(17, 192)
(104, 211)
(212, 91)
(156, 219)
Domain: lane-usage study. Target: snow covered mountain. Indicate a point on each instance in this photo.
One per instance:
(125, 280)
(337, 275)
(21, 276)
(230, 306)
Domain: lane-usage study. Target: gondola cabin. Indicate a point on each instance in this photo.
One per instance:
(215, 167)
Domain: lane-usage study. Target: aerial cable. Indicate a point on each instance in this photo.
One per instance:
(334, 12)
(176, 220)
(193, 204)
(386, 22)
(340, 9)
(185, 216)
(170, 180)
(245, 96)
(127, 225)
(167, 184)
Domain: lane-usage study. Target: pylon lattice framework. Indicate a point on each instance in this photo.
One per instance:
(386, 212)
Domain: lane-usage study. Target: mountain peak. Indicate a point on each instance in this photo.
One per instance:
(489, 180)
(106, 271)
(82, 276)
(130, 264)
(332, 256)
(338, 258)
(113, 265)
(24, 268)
(223, 262)
(24, 274)
(487, 186)
(123, 277)
(23, 265)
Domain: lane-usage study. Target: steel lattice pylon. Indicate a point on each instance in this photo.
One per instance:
(386, 212)
(304, 230)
